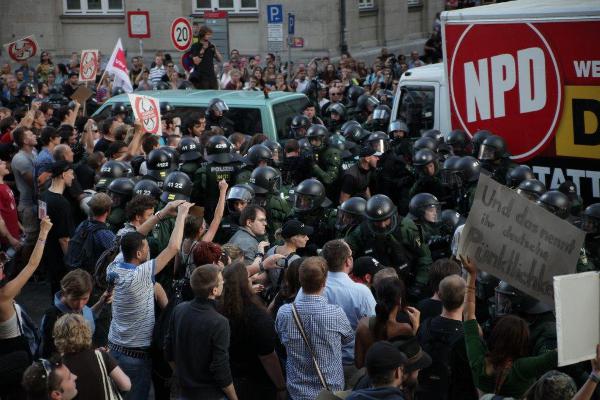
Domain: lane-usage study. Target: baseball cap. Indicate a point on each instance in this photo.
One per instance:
(58, 167)
(294, 227)
(384, 356)
(417, 358)
(553, 385)
(367, 151)
(366, 265)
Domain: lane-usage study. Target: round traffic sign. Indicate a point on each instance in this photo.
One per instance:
(181, 34)
(511, 86)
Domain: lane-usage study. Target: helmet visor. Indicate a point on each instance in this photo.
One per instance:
(345, 220)
(380, 145)
(451, 178)
(220, 106)
(383, 227)
(487, 153)
(303, 202)
(503, 304)
(381, 115)
(590, 224)
(432, 213)
(531, 196)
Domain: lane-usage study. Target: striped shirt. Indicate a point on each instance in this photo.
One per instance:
(133, 304)
(327, 328)
(156, 74)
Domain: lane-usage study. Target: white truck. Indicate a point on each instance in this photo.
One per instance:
(528, 70)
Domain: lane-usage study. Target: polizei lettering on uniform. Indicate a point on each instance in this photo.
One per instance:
(222, 168)
(517, 241)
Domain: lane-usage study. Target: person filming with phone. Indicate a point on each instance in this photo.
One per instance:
(204, 53)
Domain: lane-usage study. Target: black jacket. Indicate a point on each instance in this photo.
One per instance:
(198, 343)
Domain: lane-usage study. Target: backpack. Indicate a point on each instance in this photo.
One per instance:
(81, 252)
(434, 381)
(105, 259)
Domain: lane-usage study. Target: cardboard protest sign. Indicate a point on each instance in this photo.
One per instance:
(88, 65)
(146, 109)
(22, 49)
(82, 94)
(577, 303)
(518, 241)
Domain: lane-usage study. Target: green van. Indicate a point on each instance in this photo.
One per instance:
(250, 111)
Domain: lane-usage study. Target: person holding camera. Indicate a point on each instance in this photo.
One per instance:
(204, 53)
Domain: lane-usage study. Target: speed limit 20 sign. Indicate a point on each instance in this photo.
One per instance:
(181, 33)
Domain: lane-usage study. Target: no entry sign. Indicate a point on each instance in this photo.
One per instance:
(88, 65)
(147, 110)
(22, 49)
(181, 34)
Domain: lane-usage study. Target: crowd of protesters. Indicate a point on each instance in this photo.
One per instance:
(210, 264)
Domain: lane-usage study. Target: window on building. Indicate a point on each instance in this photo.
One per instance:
(93, 7)
(234, 6)
(415, 3)
(364, 4)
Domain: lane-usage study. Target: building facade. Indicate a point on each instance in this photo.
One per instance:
(66, 26)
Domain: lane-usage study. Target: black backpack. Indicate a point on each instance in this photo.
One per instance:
(434, 381)
(105, 259)
(82, 248)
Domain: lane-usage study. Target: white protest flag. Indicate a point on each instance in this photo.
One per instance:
(577, 301)
(117, 66)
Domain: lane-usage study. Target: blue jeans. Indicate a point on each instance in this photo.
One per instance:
(139, 372)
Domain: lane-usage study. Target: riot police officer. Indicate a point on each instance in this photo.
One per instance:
(478, 139)
(335, 116)
(517, 175)
(311, 206)
(276, 152)
(159, 165)
(215, 116)
(495, 159)
(590, 223)
(434, 134)
(190, 157)
(350, 214)
(380, 119)
(352, 95)
(266, 182)
(119, 111)
(147, 187)
(120, 191)
(427, 174)
(221, 164)
(425, 211)
(109, 171)
(177, 186)
(359, 178)
(238, 197)
(326, 161)
(469, 168)
(395, 243)
(365, 104)
(532, 189)
(258, 155)
(460, 142)
(346, 149)
(299, 126)
(450, 176)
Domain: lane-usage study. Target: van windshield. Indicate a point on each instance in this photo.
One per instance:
(417, 108)
(284, 112)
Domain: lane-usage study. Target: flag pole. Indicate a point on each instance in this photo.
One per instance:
(101, 78)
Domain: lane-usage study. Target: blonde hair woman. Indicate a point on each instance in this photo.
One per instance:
(73, 340)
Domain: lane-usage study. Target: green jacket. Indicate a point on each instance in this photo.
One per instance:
(326, 167)
(278, 210)
(116, 219)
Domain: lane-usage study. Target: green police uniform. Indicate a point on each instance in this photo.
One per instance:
(190, 168)
(206, 184)
(404, 247)
(374, 125)
(243, 175)
(427, 184)
(116, 218)
(326, 166)
(322, 220)
(278, 210)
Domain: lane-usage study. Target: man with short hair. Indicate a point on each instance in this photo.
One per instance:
(50, 139)
(108, 134)
(324, 324)
(131, 328)
(197, 344)
(385, 368)
(358, 179)
(45, 380)
(253, 226)
(71, 85)
(355, 299)
(137, 211)
(59, 211)
(158, 71)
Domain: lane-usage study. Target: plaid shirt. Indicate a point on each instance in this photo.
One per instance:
(327, 328)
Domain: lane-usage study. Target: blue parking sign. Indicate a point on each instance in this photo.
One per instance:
(275, 14)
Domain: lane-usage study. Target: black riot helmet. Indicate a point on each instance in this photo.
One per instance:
(379, 141)
(177, 186)
(469, 167)
(354, 92)
(493, 148)
(556, 202)
(218, 150)
(382, 114)
(478, 139)
(216, 108)
(397, 126)
(450, 174)
(276, 151)
(122, 186)
(118, 108)
(425, 207)
(109, 171)
(424, 157)
(515, 176)
(265, 180)
(166, 107)
(239, 193)
(309, 196)
(509, 300)
(590, 222)
(356, 134)
(425, 143)
(189, 150)
(366, 103)
(450, 220)
(382, 215)
(434, 134)
(337, 108)
(317, 131)
(460, 141)
(347, 125)
(350, 213)
(147, 187)
(258, 153)
(299, 125)
(340, 143)
(531, 189)
(158, 164)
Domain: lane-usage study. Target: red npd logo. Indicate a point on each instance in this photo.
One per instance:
(508, 84)
(148, 112)
(22, 49)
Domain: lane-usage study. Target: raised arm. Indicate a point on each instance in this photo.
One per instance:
(176, 238)
(471, 268)
(218, 216)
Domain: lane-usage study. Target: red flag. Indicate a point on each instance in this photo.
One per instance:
(117, 65)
